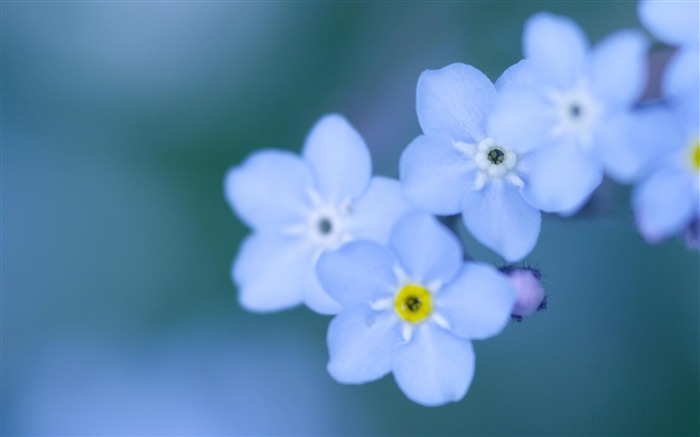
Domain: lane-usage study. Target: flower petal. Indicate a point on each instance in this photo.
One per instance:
(522, 120)
(269, 189)
(427, 250)
(556, 46)
(357, 272)
(434, 367)
(375, 213)
(516, 77)
(272, 272)
(338, 157)
(499, 218)
(434, 174)
(478, 303)
(665, 203)
(673, 22)
(681, 82)
(618, 67)
(561, 178)
(316, 298)
(361, 344)
(454, 102)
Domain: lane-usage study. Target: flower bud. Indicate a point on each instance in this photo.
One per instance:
(529, 289)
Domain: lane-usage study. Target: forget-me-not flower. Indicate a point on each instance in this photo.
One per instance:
(457, 165)
(575, 112)
(412, 308)
(300, 207)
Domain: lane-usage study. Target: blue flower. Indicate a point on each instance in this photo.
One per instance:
(574, 113)
(667, 201)
(457, 165)
(299, 208)
(411, 308)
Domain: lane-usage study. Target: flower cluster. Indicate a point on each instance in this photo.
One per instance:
(368, 249)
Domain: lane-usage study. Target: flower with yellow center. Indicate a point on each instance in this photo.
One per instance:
(412, 308)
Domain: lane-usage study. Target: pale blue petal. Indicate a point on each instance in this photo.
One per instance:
(375, 213)
(619, 67)
(434, 174)
(517, 77)
(681, 82)
(269, 189)
(338, 157)
(427, 250)
(454, 102)
(361, 344)
(316, 298)
(499, 218)
(522, 120)
(557, 48)
(673, 22)
(665, 203)
(357, 272)
(562, 178)
(478, 303)
(434, 367)
(272, 272)
(630, 141)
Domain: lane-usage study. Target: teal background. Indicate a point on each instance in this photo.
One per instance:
(119, 121)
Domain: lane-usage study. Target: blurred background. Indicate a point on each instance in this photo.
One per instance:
(119, 121)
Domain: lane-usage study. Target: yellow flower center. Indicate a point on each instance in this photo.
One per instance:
(695, 154)
(413, 303)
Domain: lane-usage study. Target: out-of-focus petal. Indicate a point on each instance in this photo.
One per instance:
(272, 272)
(427, 250)
(269, 189)
(454, 101)
(357, 272)
(618, 67)
(681, 83)
(478, 303)
(434, 174)
(338, 157)
(361, 344)
(673, 22)
(522, 120)
(665, 203)
(375, 213)
(434, 367)
(499, 218)
(316, 298)
(561, 178)
(556, 46)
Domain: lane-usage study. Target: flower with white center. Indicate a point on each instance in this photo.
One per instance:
(300, 207)
(457, 165)
(411, 308)
(574, 112)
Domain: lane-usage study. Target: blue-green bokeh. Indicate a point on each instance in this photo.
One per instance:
(119, 121)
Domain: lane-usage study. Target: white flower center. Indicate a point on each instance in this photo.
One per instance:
(576, 112)
(326, 227)
(493, 162)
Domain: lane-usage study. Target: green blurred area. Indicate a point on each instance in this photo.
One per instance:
(119, 121)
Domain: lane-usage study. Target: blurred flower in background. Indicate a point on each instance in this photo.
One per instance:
(119, 121)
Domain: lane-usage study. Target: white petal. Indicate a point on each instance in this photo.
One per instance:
(375, 213)
(434, 174)
(269, 189)
(673, 22)
(499, 218)
(361, 344)
(556, 46)
(618, 67)
(428, 251)
(357, 272)
(339, 158)
(454, 101)
(272, 272)
(562, 178)
(435, 367)
(478, 303)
